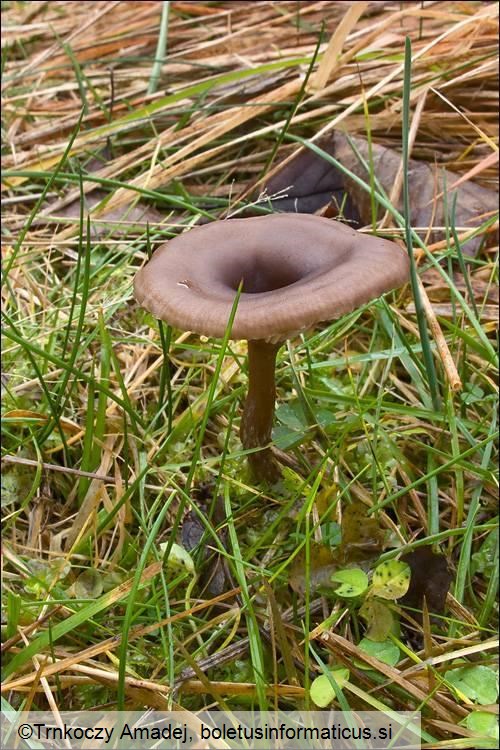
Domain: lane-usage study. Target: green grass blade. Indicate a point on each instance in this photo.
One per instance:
(161, 49)
(129, 611)
(421, 321)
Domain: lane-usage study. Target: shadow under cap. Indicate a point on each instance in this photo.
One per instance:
(297, 270)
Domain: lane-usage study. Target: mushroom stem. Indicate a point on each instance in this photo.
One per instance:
(258, 414)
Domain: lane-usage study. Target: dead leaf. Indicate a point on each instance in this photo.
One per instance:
(362, 536)
(211, 566)
(323, 563)
(427, 185)
(311, 183)
(430, 578)
(128, 218)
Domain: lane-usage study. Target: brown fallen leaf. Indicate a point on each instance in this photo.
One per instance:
(213, 573)
(127, 218)
(311, 183)
(430, 578)
(308, 183)
(363, 539)
(323, 562)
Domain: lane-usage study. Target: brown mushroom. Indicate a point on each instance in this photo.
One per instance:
(295, 269)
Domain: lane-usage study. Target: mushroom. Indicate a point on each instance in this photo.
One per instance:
(295, 269)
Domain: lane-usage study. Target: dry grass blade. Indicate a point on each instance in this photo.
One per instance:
(330, 56)
(442, 347)
(442, 706)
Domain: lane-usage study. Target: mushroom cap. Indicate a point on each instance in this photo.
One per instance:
(297, 270)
